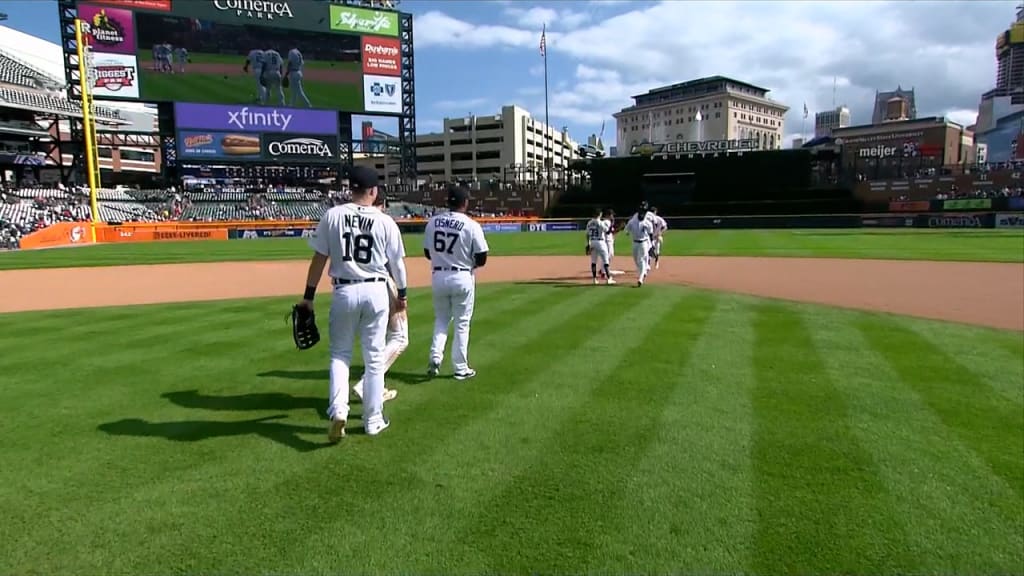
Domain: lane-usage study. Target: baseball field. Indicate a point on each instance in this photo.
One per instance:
(219, 79)
(812, 402)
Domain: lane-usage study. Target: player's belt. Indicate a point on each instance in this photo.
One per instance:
(450, 269)
(345, 281)
(640, 241)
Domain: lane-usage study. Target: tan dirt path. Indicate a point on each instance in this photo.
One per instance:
(986, 294)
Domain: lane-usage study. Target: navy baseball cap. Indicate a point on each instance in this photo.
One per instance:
(457, 195)
(362, 178)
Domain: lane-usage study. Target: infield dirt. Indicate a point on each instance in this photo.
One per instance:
(985, 294)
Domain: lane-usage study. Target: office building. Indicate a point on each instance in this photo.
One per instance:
(827, 121)
(1000, 123)
(707, 109)
(894, 106)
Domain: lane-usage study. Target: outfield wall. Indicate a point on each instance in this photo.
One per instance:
(79, 233)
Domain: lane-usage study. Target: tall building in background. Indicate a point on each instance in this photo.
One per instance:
(894, 106)
(827, 121)
(714, 108)
(999, 129)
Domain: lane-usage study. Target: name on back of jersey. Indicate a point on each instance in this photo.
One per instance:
(363, 223)
(450, 223)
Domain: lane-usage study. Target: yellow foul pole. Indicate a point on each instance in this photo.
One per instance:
(92, 166)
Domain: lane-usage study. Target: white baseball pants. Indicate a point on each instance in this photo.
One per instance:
(599, 253)
(641, 258)
(397, 342)
(363, 308)
(454, 295)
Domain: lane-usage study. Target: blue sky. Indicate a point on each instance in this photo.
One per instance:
(473, 57)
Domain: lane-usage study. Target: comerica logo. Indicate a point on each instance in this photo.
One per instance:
(259, 9)
(300, 147)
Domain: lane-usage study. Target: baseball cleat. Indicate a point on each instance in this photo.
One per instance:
(432, 369)
(469, 373)
(389, 394)
(336, 431)
(374, 428)
(595, 281)
(610, 280)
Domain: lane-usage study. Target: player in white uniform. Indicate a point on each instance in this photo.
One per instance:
(642, 231)
(660, 226)
(254, 61)
(611, 237)
(362, 246)
(181, 56)
(597, 233)
(295, 64)
(398, 329)
(455, 245)
(273, 66)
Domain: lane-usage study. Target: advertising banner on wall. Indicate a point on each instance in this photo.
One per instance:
(1016, 203)
(214, 145)
(502, 227)
(155, 5)
(1009, 220)
(362, 21)
(241, 118)
(382, 56)
(956, 221)
(272, 233)
(552, 227)
(968, 204)
(910, 206)
(382, 94)
(117, 76)
(108, 30)
(300, 148)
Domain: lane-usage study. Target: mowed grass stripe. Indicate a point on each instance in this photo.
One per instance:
(996, 357)
(958, 516)
(504, 453)
(393, 471)
(553, 515)
(983, 420)
(689, 502)
(821, 506)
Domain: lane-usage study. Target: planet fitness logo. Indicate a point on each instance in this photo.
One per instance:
(105, 30)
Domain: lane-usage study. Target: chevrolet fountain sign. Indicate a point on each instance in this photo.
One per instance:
(698, 147)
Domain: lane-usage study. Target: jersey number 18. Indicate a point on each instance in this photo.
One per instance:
(358, 247)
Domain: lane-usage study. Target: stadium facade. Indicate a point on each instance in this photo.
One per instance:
(1000, 124)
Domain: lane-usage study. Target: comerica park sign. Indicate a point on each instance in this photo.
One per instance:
(695, 147)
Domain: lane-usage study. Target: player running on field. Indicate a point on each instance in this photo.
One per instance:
(254, 65)
(597, 246)
(660, 226)
(641, 229)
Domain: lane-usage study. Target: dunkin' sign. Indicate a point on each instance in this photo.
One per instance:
(382, 56)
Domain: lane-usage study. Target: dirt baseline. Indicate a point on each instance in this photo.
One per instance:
(985, 294)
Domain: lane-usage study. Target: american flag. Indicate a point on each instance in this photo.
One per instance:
(544, 40)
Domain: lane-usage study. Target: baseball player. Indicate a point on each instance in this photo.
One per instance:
(642, 231)
(398, 328)
(295, 64)
(165, 57)
(597, 246)
(181, 57)
(455, 245)
(363, 247)
(255, 61)
(273, 66)
(660, 226)
(611, 237)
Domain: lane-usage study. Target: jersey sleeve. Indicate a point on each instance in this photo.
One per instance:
(428, 235)
(479, 240)
(318, 241)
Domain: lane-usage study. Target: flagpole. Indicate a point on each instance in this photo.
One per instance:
(547, 122)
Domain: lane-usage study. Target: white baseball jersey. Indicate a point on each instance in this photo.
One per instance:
(272, 62)
(362, 242)
(597, 230)
(640, 230)
(453, 239)
(256, 59)
(295, 60)
(659, 223)
(182, 53)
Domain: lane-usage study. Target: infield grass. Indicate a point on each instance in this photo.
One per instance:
(610, 430)
(239, 87)
(980, 246)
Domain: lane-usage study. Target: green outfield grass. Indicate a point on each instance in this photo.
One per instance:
(239, 87)
(991, 245)
(610, 430)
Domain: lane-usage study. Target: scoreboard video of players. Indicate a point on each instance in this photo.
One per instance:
(271, 53)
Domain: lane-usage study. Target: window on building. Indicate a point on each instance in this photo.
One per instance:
(718, 114)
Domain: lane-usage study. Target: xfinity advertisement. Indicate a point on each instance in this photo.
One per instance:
(260, 119)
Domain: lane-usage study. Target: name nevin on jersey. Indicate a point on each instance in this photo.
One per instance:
(363, 223)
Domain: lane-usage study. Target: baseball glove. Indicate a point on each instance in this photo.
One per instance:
(304, 330)
(588, 250)
(284, 82)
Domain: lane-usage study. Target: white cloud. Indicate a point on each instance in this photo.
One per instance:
(460, 105)
(537, 17)
(795, 49)
(537, 70)
(962, 117)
